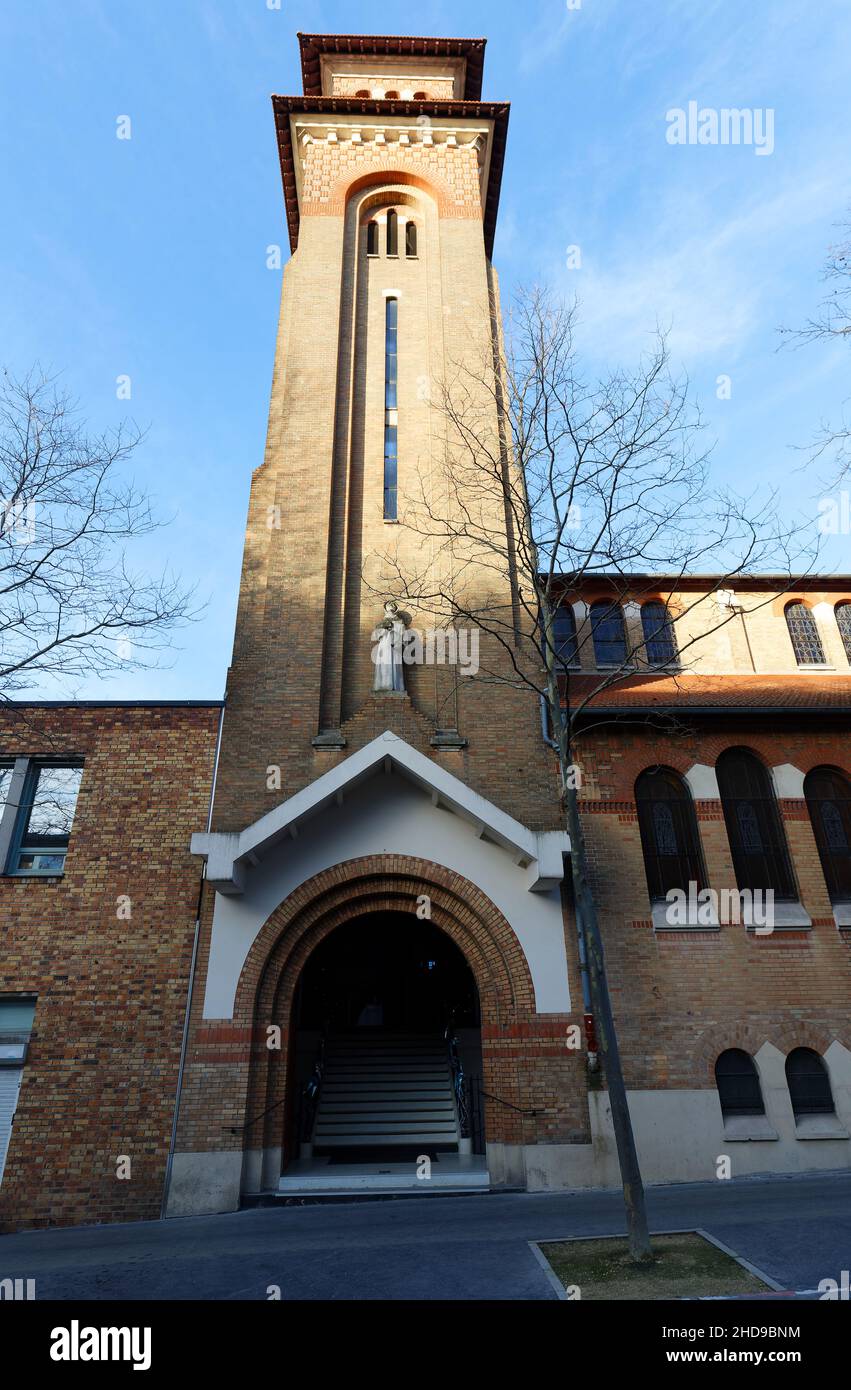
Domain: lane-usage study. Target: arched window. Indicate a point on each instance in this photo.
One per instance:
(843, 622)
(411, 239)
(564, 637)
(806, 643)
(658, 632)
(372, 238)
(420, 96)
(669, 836)
(392, 234)
(809, 1083)
(738, 1085)
(755, 830)
(828, 794)
(609, 633)
(362, 93)
(391, 96)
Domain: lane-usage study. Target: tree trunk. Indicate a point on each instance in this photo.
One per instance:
(633, 1188)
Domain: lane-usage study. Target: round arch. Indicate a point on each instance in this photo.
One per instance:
(357, 888)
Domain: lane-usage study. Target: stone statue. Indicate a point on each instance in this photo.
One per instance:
(388, 650)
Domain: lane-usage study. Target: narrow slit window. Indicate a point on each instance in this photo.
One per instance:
(392, 234)
(391, 418)
(411, 239)
(372, 239)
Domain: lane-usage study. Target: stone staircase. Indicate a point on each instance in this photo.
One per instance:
(386, 1091)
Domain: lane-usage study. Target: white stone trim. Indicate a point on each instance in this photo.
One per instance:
(788, 781)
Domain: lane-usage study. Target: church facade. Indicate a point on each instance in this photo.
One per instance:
(319, 938)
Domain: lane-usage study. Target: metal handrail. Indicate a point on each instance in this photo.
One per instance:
(456, 1067)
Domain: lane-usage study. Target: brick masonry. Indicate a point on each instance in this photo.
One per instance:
(101, 1073)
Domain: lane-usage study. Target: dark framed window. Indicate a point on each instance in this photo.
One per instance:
(828, 794)
(391, 430)
(659, 643)
(608, 632)
(410, 239)
(45, 817)
(843, 622)
(564, 637)
(809, 1083)
(804, 635)
(372, 238)
(392, 233)
(738, 1085)
(669, 835)
(754, 828)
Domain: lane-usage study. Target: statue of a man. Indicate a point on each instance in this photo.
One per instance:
(388, 649)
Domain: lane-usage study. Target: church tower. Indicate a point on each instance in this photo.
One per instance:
(405, 810)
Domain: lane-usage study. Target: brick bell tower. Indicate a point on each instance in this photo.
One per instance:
(331, 795)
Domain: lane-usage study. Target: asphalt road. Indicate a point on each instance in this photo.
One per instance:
(797, 1230)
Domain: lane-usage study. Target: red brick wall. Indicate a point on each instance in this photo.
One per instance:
(101, 1073)
(680, 998)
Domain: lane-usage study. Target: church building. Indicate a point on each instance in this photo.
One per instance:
(318, 938)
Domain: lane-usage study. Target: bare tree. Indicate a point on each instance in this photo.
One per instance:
(832, 322)
(70, 605)
(583, 480)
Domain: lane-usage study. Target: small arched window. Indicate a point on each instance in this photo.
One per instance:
(411, 239)
(658, 632)
(754, 828)
(669, 835)
(392, 234)
(806, 643)
(362, 93)
(809, 1083)
(738, 1085)
(828, 794)
(391, 96)
(420, 96)
(372, 238)
(564, 637)
(843, 622)
(609, 633)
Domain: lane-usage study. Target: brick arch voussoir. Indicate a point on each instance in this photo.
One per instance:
(376, 883)
(387, 172)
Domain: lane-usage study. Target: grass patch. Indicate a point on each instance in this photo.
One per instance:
(683, 1266)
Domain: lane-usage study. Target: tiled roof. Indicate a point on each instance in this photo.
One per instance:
(383, 45)
(803, 691)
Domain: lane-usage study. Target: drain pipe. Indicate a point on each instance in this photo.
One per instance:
(184, 1042)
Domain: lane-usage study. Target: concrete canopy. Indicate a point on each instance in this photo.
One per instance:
(230, 856)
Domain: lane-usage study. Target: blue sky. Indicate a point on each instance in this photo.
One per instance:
(147, 256)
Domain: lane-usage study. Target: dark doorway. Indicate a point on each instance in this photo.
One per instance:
(388, 970)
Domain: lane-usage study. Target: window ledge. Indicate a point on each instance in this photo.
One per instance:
(659, 911)
(815, 666)
(746, 1129)
(787, 917)
(820, 1127)
(842, 914)
(391, 521)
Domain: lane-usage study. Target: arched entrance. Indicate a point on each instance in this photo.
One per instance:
(279, 988)
(386, 1047)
